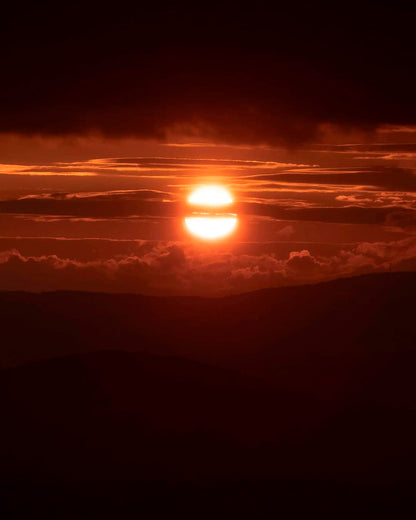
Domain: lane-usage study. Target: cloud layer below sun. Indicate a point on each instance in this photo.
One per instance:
(178, 269)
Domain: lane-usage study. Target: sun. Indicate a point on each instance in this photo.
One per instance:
(210, 196)
(211, 228)
(209, 224)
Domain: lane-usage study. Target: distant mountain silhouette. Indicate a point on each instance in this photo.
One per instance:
(296, 402)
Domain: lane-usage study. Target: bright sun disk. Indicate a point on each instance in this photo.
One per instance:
(211, 228)
(210, 196)
(210, 225)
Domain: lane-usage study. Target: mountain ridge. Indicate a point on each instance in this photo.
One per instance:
(398, 275)
(260, 405)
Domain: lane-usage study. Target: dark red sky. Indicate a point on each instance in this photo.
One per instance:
(110, 116)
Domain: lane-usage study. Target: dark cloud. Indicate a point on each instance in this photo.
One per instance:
(303, 262)
(233, 75)
(94, 205)
(349, 214)
(401, 219)
(142, 194)
(389, 178)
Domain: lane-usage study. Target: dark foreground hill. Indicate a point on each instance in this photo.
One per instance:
(292, 403)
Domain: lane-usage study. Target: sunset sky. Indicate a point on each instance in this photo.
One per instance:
(110, 119)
